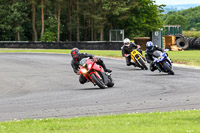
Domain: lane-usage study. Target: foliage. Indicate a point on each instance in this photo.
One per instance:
(142, 18)
(197, 26)
(51, 26)
(49, 37)
(13, 17)
(177, 20)
(90, 19)
(189, 17)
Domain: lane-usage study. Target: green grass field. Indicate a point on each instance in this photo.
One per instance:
(191, 33)
(156, 122)
(189, 57)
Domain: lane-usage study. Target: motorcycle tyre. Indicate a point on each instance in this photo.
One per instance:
(97, 81)
(170, 71)
(143, 64)
(111, 83)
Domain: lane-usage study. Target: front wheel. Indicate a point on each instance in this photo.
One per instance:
(169, 70)
(98, 81)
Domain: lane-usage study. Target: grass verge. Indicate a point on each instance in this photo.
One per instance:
(156, 122)
(189, 57)
(191, 33)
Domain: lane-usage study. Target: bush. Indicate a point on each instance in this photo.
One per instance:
(49, 37)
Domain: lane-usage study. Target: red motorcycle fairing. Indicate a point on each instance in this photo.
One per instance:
(96, 68)
(91, 65)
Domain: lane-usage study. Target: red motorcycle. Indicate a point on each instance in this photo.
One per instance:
(95, 73)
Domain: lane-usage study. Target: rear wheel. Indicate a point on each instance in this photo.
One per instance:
(169, 70)
(98, 81)
(111, 83)
(142, 63)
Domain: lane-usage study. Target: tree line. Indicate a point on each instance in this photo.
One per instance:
(189, 19)
(76, 20)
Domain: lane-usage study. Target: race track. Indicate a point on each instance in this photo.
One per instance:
(44, 85)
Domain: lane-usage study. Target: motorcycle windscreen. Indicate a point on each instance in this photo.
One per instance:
(157, 53)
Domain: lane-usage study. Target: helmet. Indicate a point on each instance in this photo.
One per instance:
(149, 46)
(75, 53)
(127, 42)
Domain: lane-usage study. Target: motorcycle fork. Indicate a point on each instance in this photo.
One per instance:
(87, 77)
(97, 74)
(159, 68)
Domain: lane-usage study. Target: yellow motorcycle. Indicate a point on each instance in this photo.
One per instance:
(139, 59)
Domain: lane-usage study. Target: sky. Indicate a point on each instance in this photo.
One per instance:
(177, 2)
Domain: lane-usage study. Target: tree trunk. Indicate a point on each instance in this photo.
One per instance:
(77, 21)
(33, 22)
(18, 36)
(70, 20)
(89, 30)
(84, 26)
(58, 34)
(102, 33)
(42, 16)
(95, 35)
(92, 31)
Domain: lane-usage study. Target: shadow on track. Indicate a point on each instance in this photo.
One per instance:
(159, 74)
(96, 88)
(131, 69)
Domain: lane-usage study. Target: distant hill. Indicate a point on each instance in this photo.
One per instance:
(191, 16)
(169, 8)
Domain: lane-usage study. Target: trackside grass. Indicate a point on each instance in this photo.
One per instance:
(191, 33)
(156, 122)
(188, 57)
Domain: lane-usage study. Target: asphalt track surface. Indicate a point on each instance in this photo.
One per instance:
(34, 86)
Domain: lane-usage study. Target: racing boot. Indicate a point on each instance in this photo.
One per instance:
(153, 67)
(134, 64)
(100, 62)
(108, 70)
(105, 69)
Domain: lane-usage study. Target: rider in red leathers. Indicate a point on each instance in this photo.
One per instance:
(77, 57)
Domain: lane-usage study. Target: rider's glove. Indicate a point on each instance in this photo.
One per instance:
(138, 46)
(126, 55)
(78, 72)
(95, 59)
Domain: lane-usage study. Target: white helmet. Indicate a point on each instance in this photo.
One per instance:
(126, 42)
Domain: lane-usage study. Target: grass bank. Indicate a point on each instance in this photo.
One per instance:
(191, 33)
(156, 122)
(189, 57)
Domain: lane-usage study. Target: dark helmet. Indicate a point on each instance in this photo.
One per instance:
(75, 53)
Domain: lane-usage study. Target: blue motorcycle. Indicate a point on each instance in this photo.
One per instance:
(163, 62)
